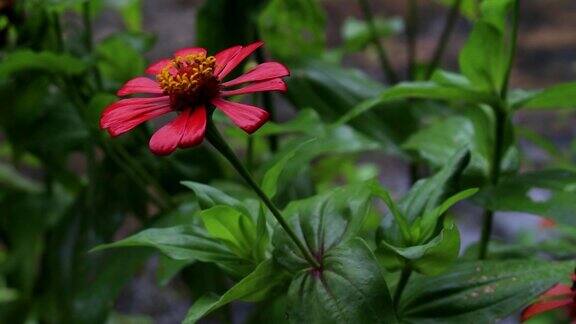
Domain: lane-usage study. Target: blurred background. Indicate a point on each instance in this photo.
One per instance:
(546, 55)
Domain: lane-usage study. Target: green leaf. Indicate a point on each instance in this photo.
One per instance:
(430, 90)
(96, 106)
(429, 258)
(480, 291)
(185, 242)
(13, 180)
(496, 12)
(63, 4)
(483, 59)
(430, 218)
(427, 194)
(118, 60)
(334, 91)
(323, 222)
(422, 207)
(130, 11)
(47, 62)
(473, 129)
(469, 8)
(349, 288)
(547, 193)
(232, 227)
(293, 29)
(8, 295)
(168, 268)
(444, 86)
(253, 288)
(341, 141)
(560, 96)
(270, 182)
(236, 23)
(357, 35)
(209, 196)
(307, 122)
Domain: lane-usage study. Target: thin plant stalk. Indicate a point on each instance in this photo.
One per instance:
(389, 72)
(501, 115)
(89, 39)
(404, 277)
(215, 138)
(411, 33)
(449, 25)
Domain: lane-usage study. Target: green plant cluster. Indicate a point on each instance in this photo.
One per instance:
(81, 213)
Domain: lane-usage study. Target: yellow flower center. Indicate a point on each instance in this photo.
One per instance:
(188, 75)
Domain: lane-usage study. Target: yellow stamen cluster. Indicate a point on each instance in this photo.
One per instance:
(185, 74)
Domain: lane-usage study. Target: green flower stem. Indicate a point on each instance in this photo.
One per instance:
(214, 137)
(488, 217)
(404, 277)
(449, 25)
(500, 112)
(382, 54)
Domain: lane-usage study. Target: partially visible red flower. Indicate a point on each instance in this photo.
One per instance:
(558, 297)
(546, 223)
(189, 84)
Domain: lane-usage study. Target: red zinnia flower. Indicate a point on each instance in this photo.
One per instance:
(189, 84)
(559, 296)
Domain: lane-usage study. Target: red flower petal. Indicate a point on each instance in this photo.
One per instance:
(167, 138)
(195, 127)
(125, 114)
(157, 66)
(248, 118)
(558, 290)
(264, 71)
(223, 57)
(542, 307)
(190, 50)
(140, 85)
(267, 85)
(243, 53)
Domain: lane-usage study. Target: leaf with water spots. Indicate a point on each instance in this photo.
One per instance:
(480, 292)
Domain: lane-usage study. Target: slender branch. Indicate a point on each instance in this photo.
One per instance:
(391, 76)
(404, 277)
(449, 25)
(411, 33)
(500, 112)
(214, 137)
